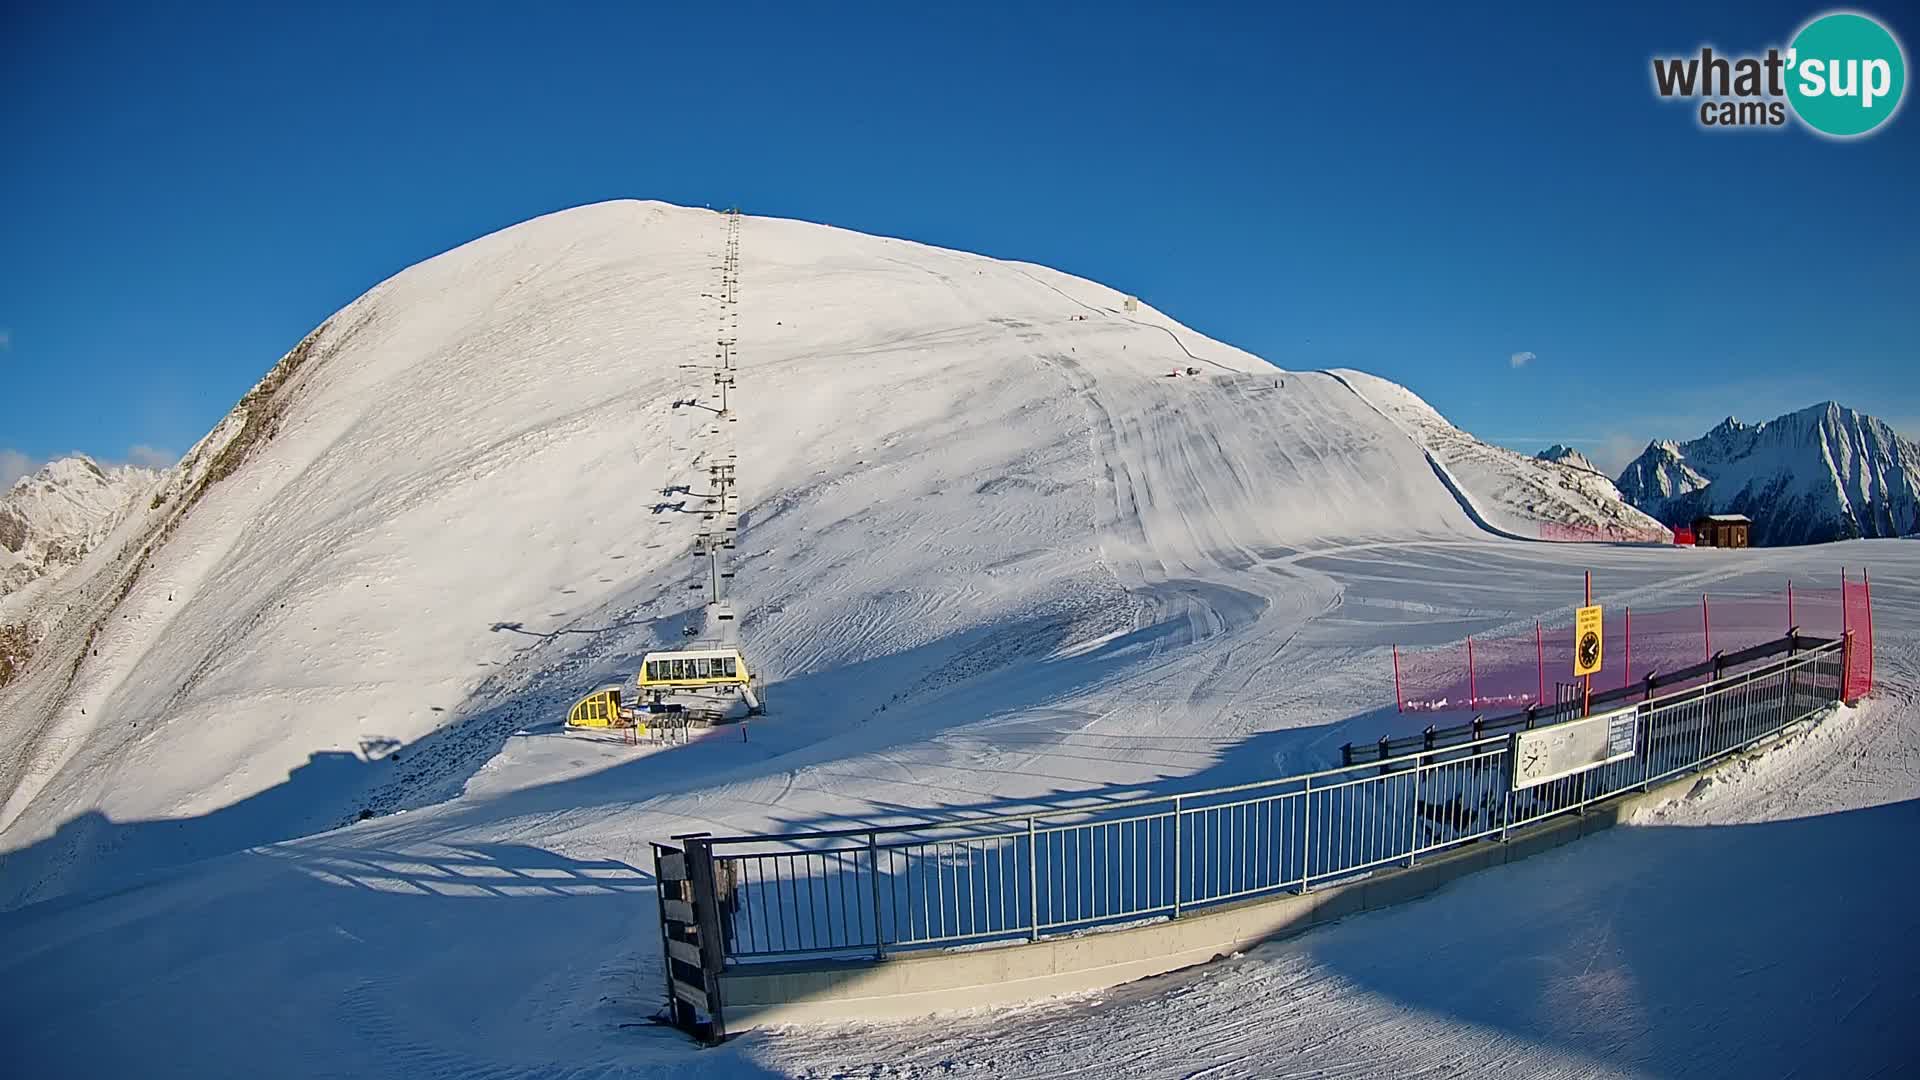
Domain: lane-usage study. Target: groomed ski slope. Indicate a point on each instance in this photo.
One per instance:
(950, 465)
(992, 554)
(1763, 928)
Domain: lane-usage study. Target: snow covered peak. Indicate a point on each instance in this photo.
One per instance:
(1567, 455)
(473, 492)
(1825, 472)
(1530, 497)
(51, 518)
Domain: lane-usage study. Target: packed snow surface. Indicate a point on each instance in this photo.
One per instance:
(994, 551)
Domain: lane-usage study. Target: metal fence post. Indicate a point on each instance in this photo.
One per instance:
(1178, 883)
(1413, 818)
(1306, 835)
(1033, 882)
(873, 869)
(1506, 798)
(706, 910)
(1646, 754)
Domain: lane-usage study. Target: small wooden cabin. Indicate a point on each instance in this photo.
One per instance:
(1721, 530)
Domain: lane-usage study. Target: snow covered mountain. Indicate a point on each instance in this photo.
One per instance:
(50, 519)
(1823, 473)
(1568, 456)
(994, 550)
(472, 491)
(1509, 492)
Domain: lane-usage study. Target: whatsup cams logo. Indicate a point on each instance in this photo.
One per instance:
(1843, 75)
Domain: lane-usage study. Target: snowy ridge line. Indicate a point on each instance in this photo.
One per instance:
(947, 884)
(1453, 487)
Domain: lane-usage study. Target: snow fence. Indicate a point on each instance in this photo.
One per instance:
(812, 900)
(1503, 672)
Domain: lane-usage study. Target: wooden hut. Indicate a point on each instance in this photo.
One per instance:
(1721, 530)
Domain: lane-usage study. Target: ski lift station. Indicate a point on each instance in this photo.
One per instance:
(600, 709)
(708, 671)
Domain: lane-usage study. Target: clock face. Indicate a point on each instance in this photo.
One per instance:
(1589, 649)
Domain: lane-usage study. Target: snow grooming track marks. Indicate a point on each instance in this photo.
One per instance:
(1440, 471)
(957, 612)
(1508, 492)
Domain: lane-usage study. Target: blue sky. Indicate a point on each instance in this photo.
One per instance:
(1423, 194)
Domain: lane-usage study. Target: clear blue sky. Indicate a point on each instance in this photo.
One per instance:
(188, 189)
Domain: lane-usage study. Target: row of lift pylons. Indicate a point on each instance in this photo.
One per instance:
(708, 679)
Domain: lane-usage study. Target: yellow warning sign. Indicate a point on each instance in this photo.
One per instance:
(1588, 644)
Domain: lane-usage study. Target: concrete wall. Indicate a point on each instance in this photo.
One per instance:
(915, 984)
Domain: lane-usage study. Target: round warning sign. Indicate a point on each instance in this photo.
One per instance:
(1588, 645)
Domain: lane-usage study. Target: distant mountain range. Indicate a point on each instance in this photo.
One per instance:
(1568, 456)
(1823, 473)
(50, 519)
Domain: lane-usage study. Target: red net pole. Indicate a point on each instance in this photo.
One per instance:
(1626, 671)
(1586, 684)
(1399, 697)
(1540, 661)
(1473, 694)
(1866, 586)
(1706, 625)
(1846, 636)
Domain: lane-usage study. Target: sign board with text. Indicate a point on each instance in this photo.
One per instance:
(1588, 640)
(1561, 750)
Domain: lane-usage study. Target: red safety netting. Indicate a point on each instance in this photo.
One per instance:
(1511, 671)
(1857, 611)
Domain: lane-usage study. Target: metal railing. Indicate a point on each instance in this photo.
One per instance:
(878, 890)
(1543, 714)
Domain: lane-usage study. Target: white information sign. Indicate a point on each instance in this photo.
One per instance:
(1550, 753)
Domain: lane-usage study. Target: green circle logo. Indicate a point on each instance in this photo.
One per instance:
(1845, 74)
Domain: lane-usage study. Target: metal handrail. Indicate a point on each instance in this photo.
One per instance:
(1077, 867)
(1062, 810)
(1792, 644)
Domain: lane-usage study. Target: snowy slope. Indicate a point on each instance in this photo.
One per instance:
(1546, 497)
(992, 553)
(52, 518)
(1823, 473)
(448, 517)
(508, 934)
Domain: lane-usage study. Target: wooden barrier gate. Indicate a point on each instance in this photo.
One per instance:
(690, 943)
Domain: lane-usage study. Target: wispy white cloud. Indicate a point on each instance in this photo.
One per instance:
(151, 457)
(1521, 359)
(1616, 451)
(13, 466)
(6, 339)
